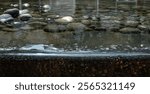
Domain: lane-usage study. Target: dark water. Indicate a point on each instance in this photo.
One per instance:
(95, 40)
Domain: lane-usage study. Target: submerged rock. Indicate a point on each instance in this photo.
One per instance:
(53, 16)
(9, 29)
(25, 17)
(37, 24)
(124, 7)
(76, 27)
(6, 18)
(62, 28)
(13, 12)
(86, 22)
(98, 28)
(51, 28)
(129, 30)
(55, 28)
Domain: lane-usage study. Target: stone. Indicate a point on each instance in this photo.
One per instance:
(24, 11)
(131, 23)
(145, 28)
(1, 26)
(46, 8)
(86, 22)
(104, 10)
(124, 7)
(76, 27)
(129, 30)
(6, 18)
(14, 5)
(53, 16)
(100, 28)
(26, 5)
(14, 12)
(55, 28)
(26, 27)
(51, 28)
(25, 17)
(86, 17)
(37, 24)
(64, 20)
(62, 28)
(9, 29)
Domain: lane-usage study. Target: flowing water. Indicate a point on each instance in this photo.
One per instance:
(28, 36)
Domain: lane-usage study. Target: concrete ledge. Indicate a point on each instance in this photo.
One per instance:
(41, 64)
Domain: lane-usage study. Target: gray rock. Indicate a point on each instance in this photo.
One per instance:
(148, 14)
(13, 12)
(98, 28)
(76, 27)
(131, 23)
(86, 17)
(129, 30)
(1, 26)
(6, 18)
(9, 29)
(104, 10)
(86, 22)
(26, 27)
(37, 24)
(145, 28)
(62, 28)
(51, 28)
(53, 16)
(25, 17)
(124, 7)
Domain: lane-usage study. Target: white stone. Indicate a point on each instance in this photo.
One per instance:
(67, 18)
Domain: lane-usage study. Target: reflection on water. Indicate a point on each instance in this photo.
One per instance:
(98, 39)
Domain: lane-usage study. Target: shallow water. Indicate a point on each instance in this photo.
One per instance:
(27, 38)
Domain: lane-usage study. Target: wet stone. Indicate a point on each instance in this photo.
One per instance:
(37, 24)
(98, 28)
(53, 16)
(86, 17)
(131, 23)
(124, 7)
(14, 12)
(24, 11)
(145, 28)
(6, 18)
(114, 29)
(2, 26)
(129, 30)
(25, 17)
(62, 28)
(51, 28)
(76, 27)
(64, 20)
(86, 22)
(104, 11)
(9, 29)
(26, 27)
